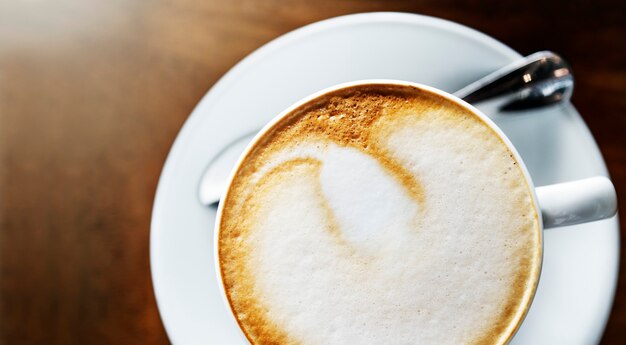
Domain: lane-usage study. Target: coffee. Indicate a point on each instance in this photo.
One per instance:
(379, 214)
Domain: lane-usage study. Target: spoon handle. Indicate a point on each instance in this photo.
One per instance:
(537, 80)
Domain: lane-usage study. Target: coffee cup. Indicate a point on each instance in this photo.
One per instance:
(385, 211)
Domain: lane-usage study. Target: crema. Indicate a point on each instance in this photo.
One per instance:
(379, 214)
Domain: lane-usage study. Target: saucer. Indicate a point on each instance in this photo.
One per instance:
(579, 276)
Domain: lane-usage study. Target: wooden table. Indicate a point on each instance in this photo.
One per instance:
(92, 94)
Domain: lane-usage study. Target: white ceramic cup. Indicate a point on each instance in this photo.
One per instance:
(560, 204)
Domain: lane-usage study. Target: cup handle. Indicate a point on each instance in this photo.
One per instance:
(577, 202)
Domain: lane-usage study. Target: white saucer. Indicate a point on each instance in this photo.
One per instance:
(579, 275)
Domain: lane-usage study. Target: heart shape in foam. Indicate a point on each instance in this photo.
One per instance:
(366, 214)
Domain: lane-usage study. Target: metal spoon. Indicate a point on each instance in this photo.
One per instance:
(537, 80)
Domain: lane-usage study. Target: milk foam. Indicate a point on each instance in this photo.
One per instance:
(424, 232)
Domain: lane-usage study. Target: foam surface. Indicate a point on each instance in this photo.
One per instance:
(379, 215)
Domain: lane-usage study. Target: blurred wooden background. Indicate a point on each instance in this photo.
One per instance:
(92, 94)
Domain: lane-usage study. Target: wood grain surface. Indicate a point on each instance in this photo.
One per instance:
(92, 94)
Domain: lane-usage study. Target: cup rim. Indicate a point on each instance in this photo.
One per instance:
(278, 118)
